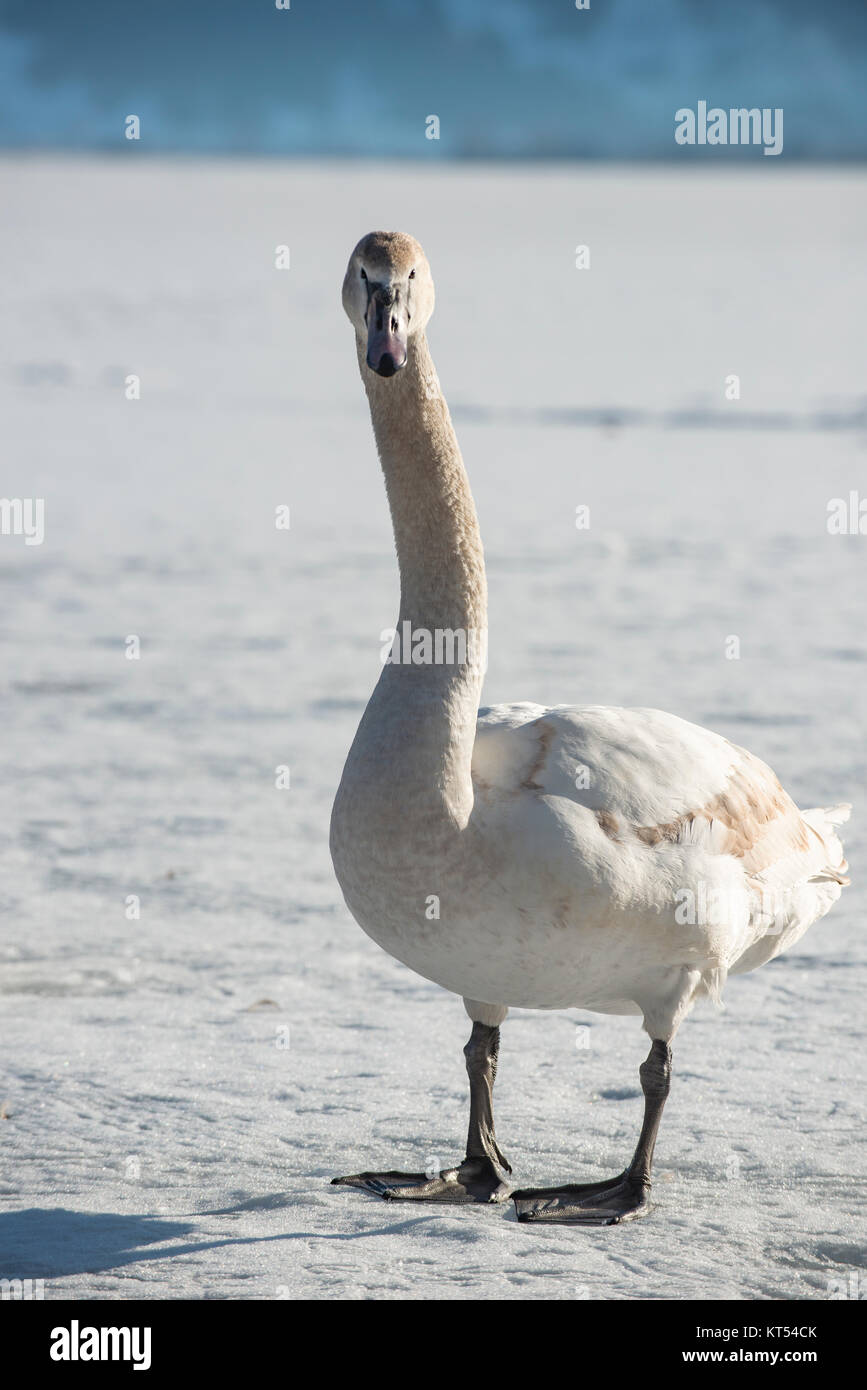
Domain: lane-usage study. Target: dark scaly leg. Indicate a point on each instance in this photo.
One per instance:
(480, 1177)
(623, 1198)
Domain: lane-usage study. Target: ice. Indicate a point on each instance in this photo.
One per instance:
(178, 1089)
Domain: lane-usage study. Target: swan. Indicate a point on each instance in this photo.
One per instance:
(618, 860)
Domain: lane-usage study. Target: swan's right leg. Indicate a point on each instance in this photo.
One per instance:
(481, 1175)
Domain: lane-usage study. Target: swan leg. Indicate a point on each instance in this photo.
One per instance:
(480, 1177)
(623, 1198)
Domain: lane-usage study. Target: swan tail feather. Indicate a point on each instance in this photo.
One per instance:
(823, 820)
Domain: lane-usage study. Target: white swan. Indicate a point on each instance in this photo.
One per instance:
(618, 860)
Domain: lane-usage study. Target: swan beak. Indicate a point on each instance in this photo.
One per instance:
(386, 337)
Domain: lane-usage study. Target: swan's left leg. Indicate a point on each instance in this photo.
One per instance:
(481, 1175)
(618, 1199)
(627, 1196)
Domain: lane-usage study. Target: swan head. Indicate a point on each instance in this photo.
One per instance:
(388, 294)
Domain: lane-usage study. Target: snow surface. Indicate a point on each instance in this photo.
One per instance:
(159, 1137)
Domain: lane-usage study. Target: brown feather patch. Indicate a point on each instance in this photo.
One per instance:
(752, 803)
(546, 734)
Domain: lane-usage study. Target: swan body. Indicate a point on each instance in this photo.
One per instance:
(617, 860)
(682, 853)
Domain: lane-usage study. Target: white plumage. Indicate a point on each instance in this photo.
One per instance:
(691, 852)
(618, 860)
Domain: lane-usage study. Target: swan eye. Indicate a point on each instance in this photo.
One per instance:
(412, 275)
(363, 273)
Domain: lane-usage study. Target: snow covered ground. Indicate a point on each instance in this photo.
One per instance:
(177, 1090)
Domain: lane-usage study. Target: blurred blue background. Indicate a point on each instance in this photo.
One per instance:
(508, 78)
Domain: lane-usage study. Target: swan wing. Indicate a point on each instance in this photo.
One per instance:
(652, 779)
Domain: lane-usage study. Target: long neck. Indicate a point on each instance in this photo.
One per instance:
(426, 710)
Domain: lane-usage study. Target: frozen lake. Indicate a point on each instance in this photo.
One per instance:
(178, 1088)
